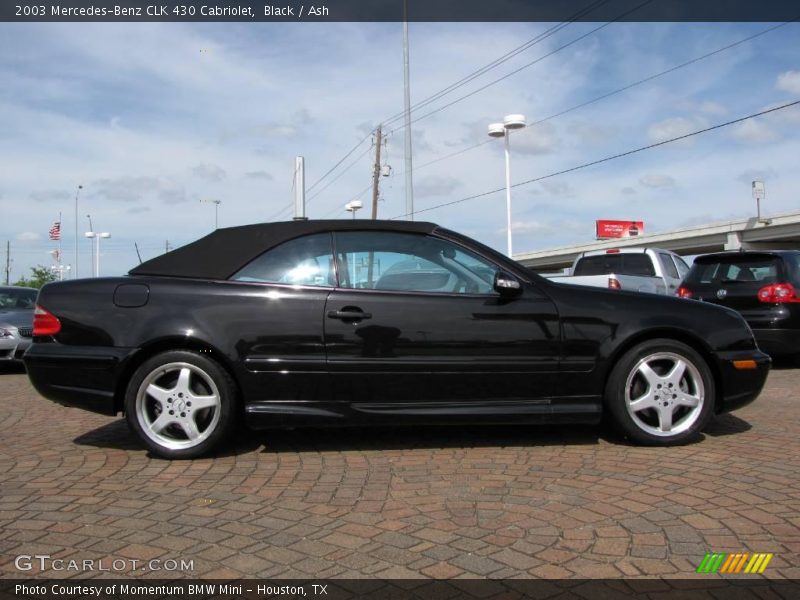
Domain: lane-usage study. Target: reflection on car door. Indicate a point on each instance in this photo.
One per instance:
(415, 320)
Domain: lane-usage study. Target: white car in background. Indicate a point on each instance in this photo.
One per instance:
(16, 321)
(650, 270)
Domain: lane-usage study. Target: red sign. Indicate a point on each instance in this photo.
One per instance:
(619, 229)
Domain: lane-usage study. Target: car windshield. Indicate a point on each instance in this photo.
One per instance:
(621, 264)
(736, 269)
(17, 299)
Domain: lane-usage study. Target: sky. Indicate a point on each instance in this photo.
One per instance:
(154, 118)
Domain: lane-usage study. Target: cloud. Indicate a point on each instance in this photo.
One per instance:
(172, 194)
(789, 82)
(674, 127)
(258, 175)
(48, 195)
(533, 226)
(592, 133)
(560, 189)
(124, 189)
(436, 185)
(752, 175)
(653, 180)
(135, 189)
(539, 139)
(28, 236)
(628, 191)
(707, 107)
(541, 228)
(754, 131)
(209, 172)
(138, 209)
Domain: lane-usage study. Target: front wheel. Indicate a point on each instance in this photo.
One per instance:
(660, 393)
(181, 404)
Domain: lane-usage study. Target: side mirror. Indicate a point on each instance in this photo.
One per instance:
(506, 285)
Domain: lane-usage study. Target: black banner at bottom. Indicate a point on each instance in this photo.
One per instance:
(398, 589)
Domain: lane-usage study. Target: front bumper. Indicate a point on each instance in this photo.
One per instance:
(13, 348)
(739, 387)
(79, 376)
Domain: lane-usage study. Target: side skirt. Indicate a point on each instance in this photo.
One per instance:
(276, 414)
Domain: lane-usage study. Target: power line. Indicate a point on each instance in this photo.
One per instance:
(523, 67)
(344, 158)
(498, 61)
(614, 92)
(341, 173)
(477, 73)
(608, 158)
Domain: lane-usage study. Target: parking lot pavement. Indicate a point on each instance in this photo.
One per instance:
(444, 502)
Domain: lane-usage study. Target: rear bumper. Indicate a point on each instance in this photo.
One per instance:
(741, 386)
(78, 376)
(778, 341)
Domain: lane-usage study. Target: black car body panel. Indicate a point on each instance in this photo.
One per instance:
(734, 279)
(328, 355)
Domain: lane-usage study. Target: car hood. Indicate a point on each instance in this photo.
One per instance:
(16, 318)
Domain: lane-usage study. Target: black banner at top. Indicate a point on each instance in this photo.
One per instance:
(393, 10)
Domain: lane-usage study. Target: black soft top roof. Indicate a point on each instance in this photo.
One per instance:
(221, 253)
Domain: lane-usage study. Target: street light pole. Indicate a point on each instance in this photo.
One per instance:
(216, 204)
(80, 187)
(91, 228)
(508, 193)
(97, 236)
(407, 118)
(502, 130)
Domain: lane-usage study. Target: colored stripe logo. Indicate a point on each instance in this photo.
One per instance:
(742, 562)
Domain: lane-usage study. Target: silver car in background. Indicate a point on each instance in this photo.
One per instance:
(16, 321)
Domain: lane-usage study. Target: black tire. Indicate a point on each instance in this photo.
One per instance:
(181, 404)
(663, 399)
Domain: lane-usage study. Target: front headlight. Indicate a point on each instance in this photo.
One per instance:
(6, 333)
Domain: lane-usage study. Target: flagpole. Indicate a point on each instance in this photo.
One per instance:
(58, 262)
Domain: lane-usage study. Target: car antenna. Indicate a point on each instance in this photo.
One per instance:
(135, 245)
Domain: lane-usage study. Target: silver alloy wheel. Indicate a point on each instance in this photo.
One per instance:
(178, 405)
(664, 394)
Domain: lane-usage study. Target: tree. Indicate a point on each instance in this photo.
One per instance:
(40, 276)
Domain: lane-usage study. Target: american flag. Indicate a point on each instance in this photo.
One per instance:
(55, 231)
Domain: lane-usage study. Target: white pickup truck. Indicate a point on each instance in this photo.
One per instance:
(650, 270)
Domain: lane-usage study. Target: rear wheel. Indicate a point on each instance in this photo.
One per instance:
(660, 393)
(181, 404)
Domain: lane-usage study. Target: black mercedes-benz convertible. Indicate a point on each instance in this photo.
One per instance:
(338, 323)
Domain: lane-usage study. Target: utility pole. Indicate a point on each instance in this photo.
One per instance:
(166, 247)
(376, 172)
(8, 261)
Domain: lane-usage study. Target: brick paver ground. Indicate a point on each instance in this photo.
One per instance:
(499, 502)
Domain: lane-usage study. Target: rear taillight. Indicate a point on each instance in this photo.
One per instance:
(45, 322)
(778, 293)
(684, 292)
(614, 284)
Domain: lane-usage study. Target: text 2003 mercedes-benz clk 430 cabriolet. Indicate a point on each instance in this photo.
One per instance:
(336, 323)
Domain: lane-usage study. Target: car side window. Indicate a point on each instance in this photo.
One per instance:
(669, 266)
(683, 268)
(382, 260)
(305, 260)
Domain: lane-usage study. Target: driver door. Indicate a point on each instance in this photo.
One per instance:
(415, 319)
